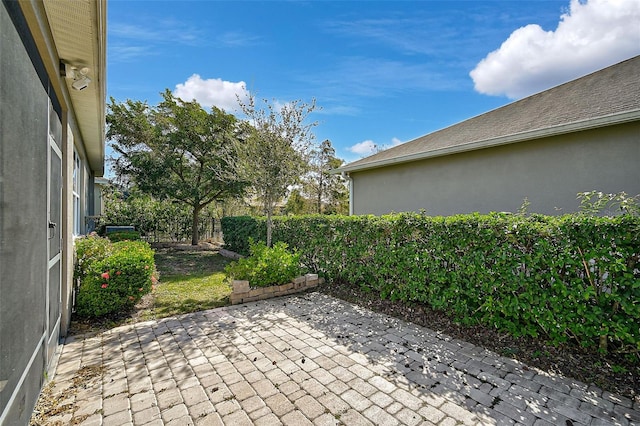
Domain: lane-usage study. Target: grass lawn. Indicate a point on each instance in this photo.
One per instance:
(190, 281)
(180, 294)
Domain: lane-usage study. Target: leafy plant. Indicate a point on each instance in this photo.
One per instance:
(327, 192)
(266, 266)
(89, 250)
(599, 203)
(113, 276)
(240, 230)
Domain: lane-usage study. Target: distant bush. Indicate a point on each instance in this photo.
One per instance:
(266, 266)
(572, 277)
(113, 276)
(123, 236)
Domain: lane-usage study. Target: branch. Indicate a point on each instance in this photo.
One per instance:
(213, 198)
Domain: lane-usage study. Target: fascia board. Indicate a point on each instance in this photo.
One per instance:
(576, 126)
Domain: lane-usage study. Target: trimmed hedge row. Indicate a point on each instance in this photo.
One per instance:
(114, 237)
(567, 277)
(112, 276)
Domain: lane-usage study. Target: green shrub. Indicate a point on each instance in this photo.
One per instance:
(89, 250)
(114, 237)
(266, 266)
(116, 281)
(568, 277)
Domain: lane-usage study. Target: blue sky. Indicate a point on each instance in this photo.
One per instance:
(384, 72)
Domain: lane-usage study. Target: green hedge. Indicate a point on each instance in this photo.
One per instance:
(241, 230)
(113, 276)
(114, 237)
(572, 276)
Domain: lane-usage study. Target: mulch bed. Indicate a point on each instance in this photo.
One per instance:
(615, 372)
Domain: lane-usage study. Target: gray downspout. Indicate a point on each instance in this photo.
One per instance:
(346, 176)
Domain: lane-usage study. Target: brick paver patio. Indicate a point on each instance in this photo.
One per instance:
(311, 359)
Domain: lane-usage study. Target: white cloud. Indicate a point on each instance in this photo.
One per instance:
(212, 91)
(363, 148)
(369, 147)
(591, 35)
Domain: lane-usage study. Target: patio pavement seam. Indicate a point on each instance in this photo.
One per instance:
(312, 359)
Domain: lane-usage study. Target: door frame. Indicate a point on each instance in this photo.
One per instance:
(54, 230)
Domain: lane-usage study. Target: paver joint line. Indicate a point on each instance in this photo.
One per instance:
(292, 360)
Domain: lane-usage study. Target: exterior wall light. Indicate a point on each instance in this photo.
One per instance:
(77, 74)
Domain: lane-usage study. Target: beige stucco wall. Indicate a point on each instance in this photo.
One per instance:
(549, 172)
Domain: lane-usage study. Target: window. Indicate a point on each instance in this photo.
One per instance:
(77, 182)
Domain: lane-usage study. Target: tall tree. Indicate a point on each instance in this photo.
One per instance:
(296, 203)
(176, 150)
(321, 186)
(275, 149)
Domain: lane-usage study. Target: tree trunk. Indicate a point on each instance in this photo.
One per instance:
(269, 226)
(195, 237)
(320, 191)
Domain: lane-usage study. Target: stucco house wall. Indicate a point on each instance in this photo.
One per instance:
(51, 150)
(549, 172)
(23, 249)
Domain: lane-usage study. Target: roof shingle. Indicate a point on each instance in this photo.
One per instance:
(609, 92)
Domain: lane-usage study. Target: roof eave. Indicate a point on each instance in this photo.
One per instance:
(576, 126)
(90, 117)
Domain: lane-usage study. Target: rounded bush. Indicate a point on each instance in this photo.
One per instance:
(89, 250)
(117, 281)
(266, 266)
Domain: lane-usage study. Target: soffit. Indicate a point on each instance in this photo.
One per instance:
(78, 28)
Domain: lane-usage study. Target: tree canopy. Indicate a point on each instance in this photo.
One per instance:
(328, 191)
(176, 150)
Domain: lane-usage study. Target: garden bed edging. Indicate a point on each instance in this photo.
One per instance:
(243, 293)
